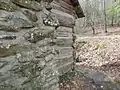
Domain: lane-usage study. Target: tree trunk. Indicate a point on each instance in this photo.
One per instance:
(112, 20)
(92, 26)
(105, 21)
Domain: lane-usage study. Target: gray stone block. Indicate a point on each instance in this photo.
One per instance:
(64, 32)
(65, 68)
(63, 60)
(64, 41)
(64, 51)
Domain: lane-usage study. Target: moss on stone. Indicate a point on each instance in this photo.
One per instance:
(8, 6)
(29, 4)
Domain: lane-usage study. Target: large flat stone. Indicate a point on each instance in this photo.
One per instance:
(60, 62)
(65, 68)
(64, 51)
(64, 41)
(64, 19)
(64, 32)
(64, 29)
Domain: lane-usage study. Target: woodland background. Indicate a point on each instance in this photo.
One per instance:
(100, 16)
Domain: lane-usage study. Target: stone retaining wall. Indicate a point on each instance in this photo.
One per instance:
(33, 54)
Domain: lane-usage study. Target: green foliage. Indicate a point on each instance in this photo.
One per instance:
(114, 8)
(113, 12)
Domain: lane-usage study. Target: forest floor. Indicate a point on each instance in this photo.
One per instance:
(98, 59)
(100, 53)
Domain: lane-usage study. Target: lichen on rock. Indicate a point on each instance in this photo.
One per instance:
(13, 24)
(8, 7)
(30, 16)
(39, 34)
(29, 4)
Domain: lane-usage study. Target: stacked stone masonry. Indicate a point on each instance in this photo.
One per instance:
(35, 43)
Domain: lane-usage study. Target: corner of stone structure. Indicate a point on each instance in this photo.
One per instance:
(37, 46)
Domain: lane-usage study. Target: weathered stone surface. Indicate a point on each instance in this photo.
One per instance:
(31, 16)
(29, 4)
(50, 22)
(49, 1)
(64, 19)
(8, 6)
(64, 68)
(64, 32)
(50, 19)
(39, 34)
(7, 16)
(63, 60)
(63, 7)
(65, 51)
(52, 86)
(48, 7)
(8, 28)
(64, 41)
(8, 37)
(64, 29)
(31, 55)
(4, 51)
(13, 24)
(20, 68)
(45, 42)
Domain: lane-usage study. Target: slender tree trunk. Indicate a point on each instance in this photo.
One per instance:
(105, 21)
(112, 20)
(92, 26)
(113, 16)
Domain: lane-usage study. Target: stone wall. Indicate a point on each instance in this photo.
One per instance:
(33, 51)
